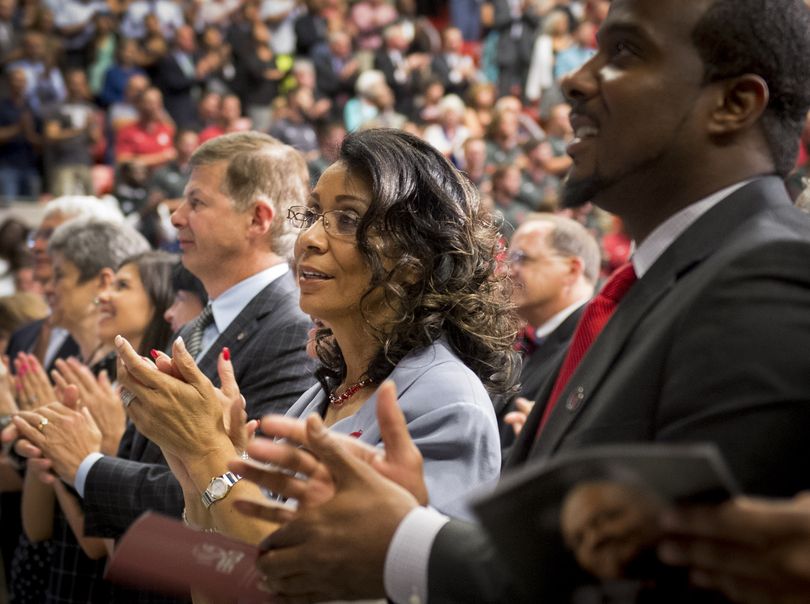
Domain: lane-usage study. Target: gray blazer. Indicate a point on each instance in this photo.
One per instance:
(450, 418)
(709, 346)
(268, 347)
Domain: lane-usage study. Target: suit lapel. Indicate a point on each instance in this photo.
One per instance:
(553, 348)
(698, 242)
(241, 329)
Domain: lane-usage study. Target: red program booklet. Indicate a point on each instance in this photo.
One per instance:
(161, 554)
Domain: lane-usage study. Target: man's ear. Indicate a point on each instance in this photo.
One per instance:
(740, 104)
(575, 269)
(262, 217)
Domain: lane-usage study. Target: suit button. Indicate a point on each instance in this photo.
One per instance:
(575, 399)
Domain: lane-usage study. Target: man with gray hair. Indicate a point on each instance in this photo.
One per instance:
(234, 237)
(554, 263)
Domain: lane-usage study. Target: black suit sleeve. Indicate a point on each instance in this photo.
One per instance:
(272, 370)
(117, 491)
(464, 567)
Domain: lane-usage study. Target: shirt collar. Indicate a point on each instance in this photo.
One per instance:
(554, 322)
(233, 301)
(673, 227)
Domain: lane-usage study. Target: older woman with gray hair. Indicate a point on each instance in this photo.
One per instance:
(85, 253)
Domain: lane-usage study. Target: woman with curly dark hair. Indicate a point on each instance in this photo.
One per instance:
(399, 263)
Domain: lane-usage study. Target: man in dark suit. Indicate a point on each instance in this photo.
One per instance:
(455, 69)
(516, 23)
(233, 234)
(178, 76)
(684, 124)
(401, 69)
(337, 70)
(554, 264)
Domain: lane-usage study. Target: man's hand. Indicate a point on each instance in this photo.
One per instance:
(298, 474)
(336, 550)
(64, 435)
(98, 396)
(183, 417)
(517, 418)
(754, 551)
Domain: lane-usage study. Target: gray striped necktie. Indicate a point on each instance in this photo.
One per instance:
(195, 336)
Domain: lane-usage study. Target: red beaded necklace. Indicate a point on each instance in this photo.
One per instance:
(339, 401)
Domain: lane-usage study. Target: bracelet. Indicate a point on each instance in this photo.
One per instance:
(194, 526)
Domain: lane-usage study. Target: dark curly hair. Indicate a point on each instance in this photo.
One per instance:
(768, 38)
(444, 281)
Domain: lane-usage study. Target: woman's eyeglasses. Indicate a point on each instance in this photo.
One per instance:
(338, 223)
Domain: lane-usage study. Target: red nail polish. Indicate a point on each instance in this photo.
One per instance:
(226, 353)
(154, 353)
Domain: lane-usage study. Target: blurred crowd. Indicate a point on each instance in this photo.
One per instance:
(111, 98)
(138, 128)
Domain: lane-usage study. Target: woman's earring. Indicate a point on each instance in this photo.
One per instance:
(96, 301)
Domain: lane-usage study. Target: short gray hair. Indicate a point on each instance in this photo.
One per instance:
(93, 244)
(73, 206)
(570, 238)
(259, 167)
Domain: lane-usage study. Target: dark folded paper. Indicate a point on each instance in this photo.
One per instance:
(539, 516)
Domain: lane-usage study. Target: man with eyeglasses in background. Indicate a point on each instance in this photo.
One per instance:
(554, 264)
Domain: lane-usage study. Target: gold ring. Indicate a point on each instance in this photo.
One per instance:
(42, 423)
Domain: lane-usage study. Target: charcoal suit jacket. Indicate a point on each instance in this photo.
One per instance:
(711, 345)
(538, 367)
(268, 347)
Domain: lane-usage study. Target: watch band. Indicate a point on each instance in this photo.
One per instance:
(219, 487)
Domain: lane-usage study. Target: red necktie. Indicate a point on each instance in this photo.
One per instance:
(596, 315)
(526, 341)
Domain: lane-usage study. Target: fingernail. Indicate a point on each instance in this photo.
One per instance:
(179, 342)
(23, 369)
(226, 353)
(154, 353)
(119, 341)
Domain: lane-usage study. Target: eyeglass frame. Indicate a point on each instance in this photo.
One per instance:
(294, 211)
(34, 236)
(521, 258)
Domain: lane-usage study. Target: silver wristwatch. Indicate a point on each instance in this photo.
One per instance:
(219, 488)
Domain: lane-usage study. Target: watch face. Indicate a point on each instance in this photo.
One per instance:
(218, 488)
